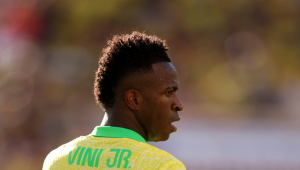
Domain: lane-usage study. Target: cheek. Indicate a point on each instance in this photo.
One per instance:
(161, 112)
(151, 111)
(160, 106)
(157, 110)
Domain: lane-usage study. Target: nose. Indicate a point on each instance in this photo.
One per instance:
(177, 105)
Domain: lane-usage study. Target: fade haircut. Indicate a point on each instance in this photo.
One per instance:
(126, 55)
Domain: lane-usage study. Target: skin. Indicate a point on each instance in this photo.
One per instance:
(147, 103)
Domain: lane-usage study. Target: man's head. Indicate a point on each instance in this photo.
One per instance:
(135, 71)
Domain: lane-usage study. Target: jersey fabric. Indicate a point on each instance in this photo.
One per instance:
(110, 148)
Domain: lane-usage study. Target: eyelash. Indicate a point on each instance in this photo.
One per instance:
(169, 92)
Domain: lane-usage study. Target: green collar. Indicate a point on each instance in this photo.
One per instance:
(116, 132)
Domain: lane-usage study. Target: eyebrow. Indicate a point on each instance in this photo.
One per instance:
(175, 88)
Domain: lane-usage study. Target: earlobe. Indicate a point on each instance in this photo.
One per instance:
(132, 99)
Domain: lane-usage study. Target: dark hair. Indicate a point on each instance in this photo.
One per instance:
(125, 55)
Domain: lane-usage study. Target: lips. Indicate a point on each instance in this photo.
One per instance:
(173, 126)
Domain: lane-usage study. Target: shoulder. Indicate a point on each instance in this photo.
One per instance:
(162, 159)
(58, 155)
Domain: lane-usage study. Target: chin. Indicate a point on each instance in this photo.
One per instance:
(164, 139)
(161, 138)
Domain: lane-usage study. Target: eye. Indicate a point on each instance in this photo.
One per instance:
(169, 92)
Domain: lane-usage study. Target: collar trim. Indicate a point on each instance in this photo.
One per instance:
(116, 132)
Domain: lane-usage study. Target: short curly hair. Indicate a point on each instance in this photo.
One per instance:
(125, 55)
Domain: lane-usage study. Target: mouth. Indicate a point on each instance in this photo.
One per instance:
(173, 126)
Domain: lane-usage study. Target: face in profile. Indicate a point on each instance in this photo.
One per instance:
(160, 104)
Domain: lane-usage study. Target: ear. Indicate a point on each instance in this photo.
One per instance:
(133, 99)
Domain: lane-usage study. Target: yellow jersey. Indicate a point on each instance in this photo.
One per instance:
(110, 148)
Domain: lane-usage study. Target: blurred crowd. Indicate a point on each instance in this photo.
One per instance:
(237, 60)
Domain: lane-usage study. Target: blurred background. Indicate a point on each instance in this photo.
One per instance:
(238, 63)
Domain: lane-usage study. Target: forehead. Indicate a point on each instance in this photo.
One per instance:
(164, 74)
(164, 69)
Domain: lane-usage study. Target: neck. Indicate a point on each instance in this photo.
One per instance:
(124, 119)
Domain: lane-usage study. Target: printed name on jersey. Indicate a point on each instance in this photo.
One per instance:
(92, 157)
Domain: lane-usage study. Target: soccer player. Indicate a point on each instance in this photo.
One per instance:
(136, 85)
